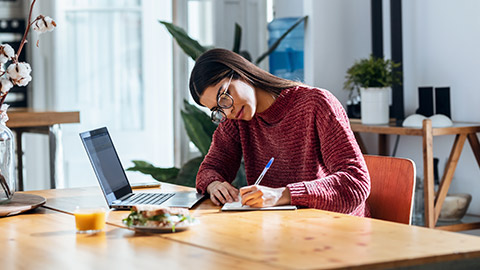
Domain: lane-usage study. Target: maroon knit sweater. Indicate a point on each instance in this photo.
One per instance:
(316, 155)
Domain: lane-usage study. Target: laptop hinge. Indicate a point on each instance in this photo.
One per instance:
(119, 201)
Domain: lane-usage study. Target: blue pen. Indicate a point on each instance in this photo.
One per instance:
(264, 172)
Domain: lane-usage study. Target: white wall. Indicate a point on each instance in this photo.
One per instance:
(440, 48)
(251, 16)
(336, 34)
(287, 8)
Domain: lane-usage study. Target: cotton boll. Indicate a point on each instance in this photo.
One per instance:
(3, 113)
(12, 71)
(6, 53)
(19, 73)
(18, 70)
(4, 107)
(44, 24)
(24, 80)
(24, 69)
(5, 85)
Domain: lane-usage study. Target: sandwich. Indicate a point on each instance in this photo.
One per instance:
(158, 217)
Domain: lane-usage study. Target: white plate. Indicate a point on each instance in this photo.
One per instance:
(153, 229)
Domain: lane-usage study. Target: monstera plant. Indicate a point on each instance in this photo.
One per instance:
(197, 123)
(200, 130)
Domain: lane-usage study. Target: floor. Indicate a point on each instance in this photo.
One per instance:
(472, 232)
(466, 219)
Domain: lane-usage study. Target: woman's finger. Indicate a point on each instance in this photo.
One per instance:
(250, 196)
(226, 194)
(214, 200)
(219, 196)
(255, 202)
(247, 189)
(233, 192)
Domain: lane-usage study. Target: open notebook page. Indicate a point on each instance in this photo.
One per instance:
(237, 206)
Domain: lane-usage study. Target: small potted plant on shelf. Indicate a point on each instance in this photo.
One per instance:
(373, 77)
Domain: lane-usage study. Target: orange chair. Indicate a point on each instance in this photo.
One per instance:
(393, 187)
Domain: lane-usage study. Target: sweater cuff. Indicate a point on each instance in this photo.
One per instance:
(298, 194)
(202, 185)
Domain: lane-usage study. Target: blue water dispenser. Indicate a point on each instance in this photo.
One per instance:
(287, 59)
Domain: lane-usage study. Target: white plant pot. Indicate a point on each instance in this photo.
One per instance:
(375, 105)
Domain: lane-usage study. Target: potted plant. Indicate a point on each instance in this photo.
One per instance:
(374, 77)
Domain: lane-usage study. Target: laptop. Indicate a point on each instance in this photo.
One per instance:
(113, 180)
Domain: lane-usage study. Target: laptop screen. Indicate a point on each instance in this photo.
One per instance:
(106, 164)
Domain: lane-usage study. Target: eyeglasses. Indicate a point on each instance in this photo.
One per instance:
(224, 101)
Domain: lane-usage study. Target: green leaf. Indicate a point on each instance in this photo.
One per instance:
(196, 133)
(203, 119)
(160, 174)
(246, 55)
(279, 40)
(372, 72)
(237, 38)
(190, 46)
(188, 173)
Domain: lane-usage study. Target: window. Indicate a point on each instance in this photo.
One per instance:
(111, 63)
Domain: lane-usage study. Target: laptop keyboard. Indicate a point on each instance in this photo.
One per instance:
(147, 198)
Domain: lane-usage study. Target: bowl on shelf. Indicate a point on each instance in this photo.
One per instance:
(455, 206)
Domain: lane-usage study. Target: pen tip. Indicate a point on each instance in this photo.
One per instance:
(270, 162)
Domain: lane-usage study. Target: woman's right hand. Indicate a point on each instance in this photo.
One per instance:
(222, 192)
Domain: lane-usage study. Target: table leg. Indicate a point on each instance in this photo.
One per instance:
(20, 185)
(382, 145)
(448, 173)
(428, 184)
(473, 140)
(55, 153)
(56, 164)
(360, 142)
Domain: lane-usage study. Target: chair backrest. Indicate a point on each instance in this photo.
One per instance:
(393, 187)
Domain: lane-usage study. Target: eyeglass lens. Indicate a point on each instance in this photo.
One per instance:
(218, 116)
(225, 101)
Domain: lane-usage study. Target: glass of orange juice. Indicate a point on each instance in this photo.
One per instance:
(89, 220)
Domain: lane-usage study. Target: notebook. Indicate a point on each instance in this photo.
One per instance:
(113, 180)
(237, 206)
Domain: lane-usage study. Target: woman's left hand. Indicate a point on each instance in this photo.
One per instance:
(261, 196)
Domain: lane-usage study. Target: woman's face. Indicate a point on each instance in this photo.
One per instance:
(244, 98)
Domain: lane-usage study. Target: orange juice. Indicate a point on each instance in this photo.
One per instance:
(89, 220)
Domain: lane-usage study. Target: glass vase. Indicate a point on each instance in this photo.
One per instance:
(7, 162)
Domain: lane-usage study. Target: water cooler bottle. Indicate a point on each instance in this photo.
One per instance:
(287, 59)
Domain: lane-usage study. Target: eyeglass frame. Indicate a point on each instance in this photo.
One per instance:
(219, 108)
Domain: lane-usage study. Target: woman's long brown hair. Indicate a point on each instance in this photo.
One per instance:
(216, 64)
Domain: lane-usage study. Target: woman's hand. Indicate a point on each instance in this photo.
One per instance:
(261, 196)
(222, 192)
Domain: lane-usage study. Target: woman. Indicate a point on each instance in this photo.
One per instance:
(318, 163)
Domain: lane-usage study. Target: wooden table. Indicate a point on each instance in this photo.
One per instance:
(301, 239)
(42, 122)
(46, 239)
(433, 202)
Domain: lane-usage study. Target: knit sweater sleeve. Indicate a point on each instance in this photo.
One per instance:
(346, 186)
(223, 158)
